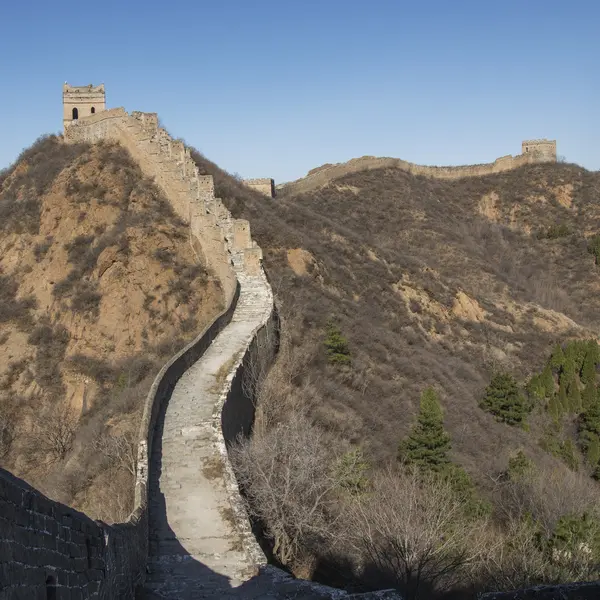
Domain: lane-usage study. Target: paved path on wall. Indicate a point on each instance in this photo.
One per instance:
(195, 551)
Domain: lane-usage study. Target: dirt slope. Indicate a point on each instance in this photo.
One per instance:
(99, 285)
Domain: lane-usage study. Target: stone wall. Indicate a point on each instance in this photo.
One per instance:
(88, 559)
(46, 545)
(573, 591)
(264, 186)
(44, 541)
(541, 151)
(234, 413)
(213, 231)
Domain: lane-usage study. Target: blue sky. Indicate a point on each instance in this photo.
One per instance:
(275, 88)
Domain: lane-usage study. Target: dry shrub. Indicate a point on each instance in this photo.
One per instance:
(13, 308)
(285, 477)
(546, 496)
(86, 298)
(518, 551)
(54, 432)
(411, 533)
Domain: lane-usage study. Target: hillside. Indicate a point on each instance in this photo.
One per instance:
(431, 283)
(99, 286)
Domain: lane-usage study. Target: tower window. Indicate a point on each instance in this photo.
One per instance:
(75, 114)
(93, 109)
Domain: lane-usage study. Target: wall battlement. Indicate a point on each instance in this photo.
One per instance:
(544, 150)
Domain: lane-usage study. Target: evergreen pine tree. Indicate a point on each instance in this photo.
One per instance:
(504, 400)
(563, 399)
(593, 247)
(593, 450)
(567, 373)
(588, 370)
(351, 472)
(554, 407)
(575, 353)
(589, 396)
(574, 395)
(535, 388)
(519, 466)
(589, 421)
(338, 352)
(428, 443)
(569, 455)
(589, 430)
(557, 359)
(547, 381)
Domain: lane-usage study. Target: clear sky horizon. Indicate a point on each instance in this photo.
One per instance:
(273, 89)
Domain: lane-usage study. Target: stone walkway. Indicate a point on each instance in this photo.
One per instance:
(195, 551)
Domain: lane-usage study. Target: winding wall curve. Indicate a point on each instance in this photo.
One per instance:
(323, 175)
(44, 544)
(50, 550)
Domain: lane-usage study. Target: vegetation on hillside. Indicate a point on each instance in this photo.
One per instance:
(98, 287)
(455, 293)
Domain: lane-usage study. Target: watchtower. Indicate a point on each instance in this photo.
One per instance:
(264, 186)
(543, 150)
(82, 101)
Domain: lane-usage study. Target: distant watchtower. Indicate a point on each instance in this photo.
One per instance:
(543, 150)
(82, 101)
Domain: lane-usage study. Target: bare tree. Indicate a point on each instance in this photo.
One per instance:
(288, 387)
(526, 551)
(55, 432)
(120, 449)
(285, 474)
(412, 533)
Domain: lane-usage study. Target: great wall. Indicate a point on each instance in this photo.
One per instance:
(188, 535)
(532, 151)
